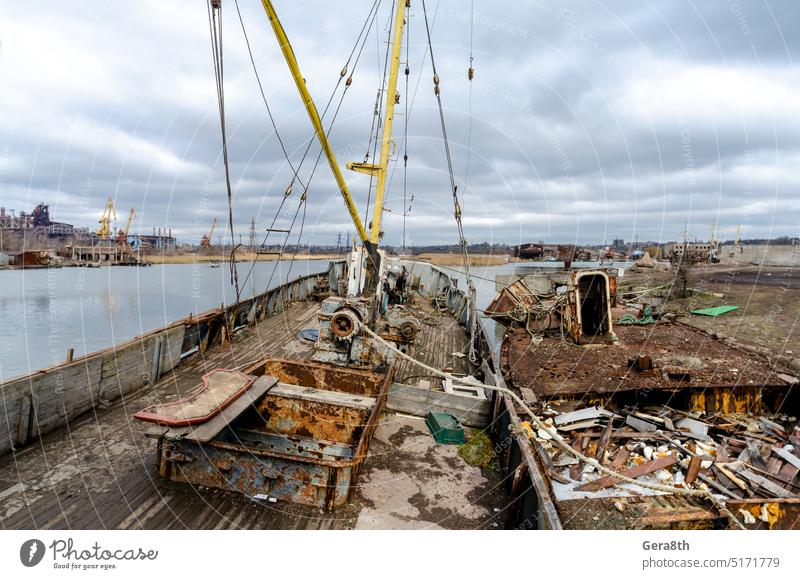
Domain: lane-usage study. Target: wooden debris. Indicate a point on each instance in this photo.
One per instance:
(633, 472)
(787, 456)
(639, 424)
(602, 444)
(773, 427)
(576, 470)
(728, 475)
(754, 456)
(620, 458)
(584, 414)
(762, 483)
(694, 469)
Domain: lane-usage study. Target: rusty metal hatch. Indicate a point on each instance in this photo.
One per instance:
(303, 441)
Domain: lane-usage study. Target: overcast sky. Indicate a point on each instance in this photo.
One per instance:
(590, 120)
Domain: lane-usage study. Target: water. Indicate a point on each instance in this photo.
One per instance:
(44, 312)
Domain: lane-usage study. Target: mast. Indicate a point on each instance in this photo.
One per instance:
(381, 169)
(311, 108)
(372, 259)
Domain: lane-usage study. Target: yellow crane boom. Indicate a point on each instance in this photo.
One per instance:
(386, 137)
(311, 108)
(109, 214)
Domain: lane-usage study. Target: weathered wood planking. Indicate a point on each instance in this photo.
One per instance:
(36, 404)
(470, 411)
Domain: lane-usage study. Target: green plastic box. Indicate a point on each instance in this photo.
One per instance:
(445, 428)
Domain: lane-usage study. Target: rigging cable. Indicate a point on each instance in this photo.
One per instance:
(413, 100)
(473, 314)
(377, 122)
(470, 76)
(368, 27)
(215, 26)
(362, 38)
(405, 137)
(264, 96)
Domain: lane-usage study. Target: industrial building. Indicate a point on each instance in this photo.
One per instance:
(158, 240)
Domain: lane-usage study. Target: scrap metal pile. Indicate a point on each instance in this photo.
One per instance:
(736, 456)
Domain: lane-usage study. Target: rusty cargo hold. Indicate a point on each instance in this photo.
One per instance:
(299, 436)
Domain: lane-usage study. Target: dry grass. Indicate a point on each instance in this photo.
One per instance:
(458, 259)
(244, 256)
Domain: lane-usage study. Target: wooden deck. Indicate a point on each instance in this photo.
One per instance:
(99, 471)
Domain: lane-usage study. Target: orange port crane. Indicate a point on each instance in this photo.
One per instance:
(122, 234)
(206, 239)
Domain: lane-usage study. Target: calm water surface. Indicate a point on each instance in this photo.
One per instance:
(43, 312)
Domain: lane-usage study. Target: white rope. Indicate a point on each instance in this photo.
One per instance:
(557, 438)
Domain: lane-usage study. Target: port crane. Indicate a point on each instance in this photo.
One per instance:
(122, 234)
(206, 239)
(109, 214)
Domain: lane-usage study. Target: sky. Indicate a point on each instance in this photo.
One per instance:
(589, 120)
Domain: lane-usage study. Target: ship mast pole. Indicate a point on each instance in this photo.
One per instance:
(386, 136)
(311, 108)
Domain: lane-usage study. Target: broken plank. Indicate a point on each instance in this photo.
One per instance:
(694, 469)
(633, 472)
(583, 414)
(640, 425)
(576, 470)
(602, 444)
(620, 458)
(787, 456)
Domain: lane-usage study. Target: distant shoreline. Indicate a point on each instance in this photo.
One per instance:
(446, 259)
(434, 258)
(160, 259)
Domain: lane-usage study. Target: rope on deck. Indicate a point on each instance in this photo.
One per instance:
(557, 438)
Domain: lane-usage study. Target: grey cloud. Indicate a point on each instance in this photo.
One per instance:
(118, 99)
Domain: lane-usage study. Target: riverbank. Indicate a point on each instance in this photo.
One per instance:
(185, 258)
(768, 300)
(458, 259)
(434, 258)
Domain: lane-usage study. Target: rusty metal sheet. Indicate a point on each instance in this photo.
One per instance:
(286, 413)
(319, 375)
(512, 303)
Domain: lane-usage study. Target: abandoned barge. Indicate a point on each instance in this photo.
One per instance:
(234, 418)
(644, 422)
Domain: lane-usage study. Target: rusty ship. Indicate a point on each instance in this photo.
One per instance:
(315, 404)
(328, 402)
